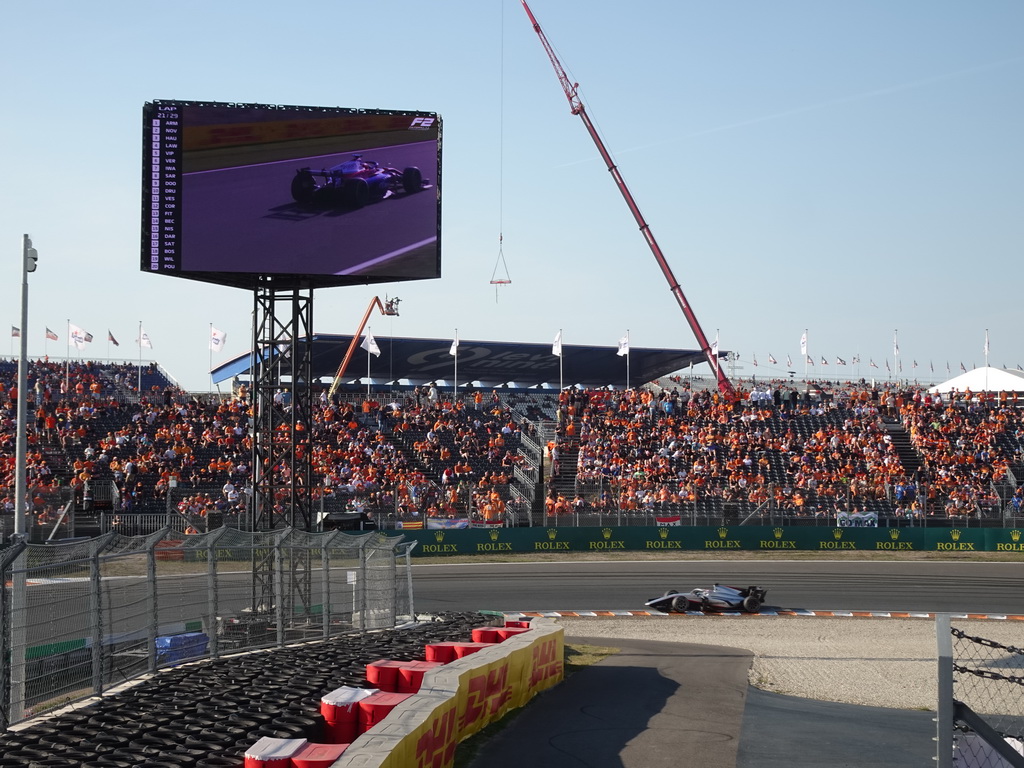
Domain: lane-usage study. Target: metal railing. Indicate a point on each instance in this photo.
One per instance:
(81, 617)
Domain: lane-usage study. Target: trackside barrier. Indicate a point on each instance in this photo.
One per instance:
(711, 538)
(458, 699)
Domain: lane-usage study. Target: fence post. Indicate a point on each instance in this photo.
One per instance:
(408, 577)
(154, 608)
(325, 582)
(96, 613)
(360, 600)
(16, 611)
(279, 585)
(213, 596)
(945, 709)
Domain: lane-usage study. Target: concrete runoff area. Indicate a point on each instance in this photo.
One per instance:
(740, 692)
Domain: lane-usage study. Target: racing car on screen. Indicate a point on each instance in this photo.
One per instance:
(354, 183)
(719, 598)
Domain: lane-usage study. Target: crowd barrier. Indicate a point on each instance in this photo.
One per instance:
(476, 541)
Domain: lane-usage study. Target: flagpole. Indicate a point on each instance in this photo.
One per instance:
(67, 362)
(455, 391)
(368, 356)
(628, 350)
(139, 387)
(804, 350)
(986, 359)
(209, 344)
(561, 353)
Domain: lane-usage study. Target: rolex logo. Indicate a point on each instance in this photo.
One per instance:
(552, 533)
(955, 534)
(894, 533)
(663, 533)
(1015, 535)
(493, 534)
(723, 532)
(837, 533)
(438, 536)
(777, 533)
(606, 533)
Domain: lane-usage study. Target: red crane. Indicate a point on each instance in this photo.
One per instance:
(724, 385)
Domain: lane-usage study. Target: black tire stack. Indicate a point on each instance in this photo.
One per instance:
(206, 715)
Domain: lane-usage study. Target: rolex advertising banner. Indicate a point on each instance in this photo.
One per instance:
(713, 538)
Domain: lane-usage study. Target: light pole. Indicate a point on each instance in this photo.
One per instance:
(18, 575)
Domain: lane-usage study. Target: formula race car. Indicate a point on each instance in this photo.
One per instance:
(719, 598)
(354, 183)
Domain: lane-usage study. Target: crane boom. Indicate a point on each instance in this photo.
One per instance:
(576, 105)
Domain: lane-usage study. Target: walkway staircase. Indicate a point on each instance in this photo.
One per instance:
(909, 456)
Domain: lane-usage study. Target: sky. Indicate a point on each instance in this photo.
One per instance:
(852, 170)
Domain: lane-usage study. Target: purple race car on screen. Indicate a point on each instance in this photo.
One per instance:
(719, 598)
(354, 183)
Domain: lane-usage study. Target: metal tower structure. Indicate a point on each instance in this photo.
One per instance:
(576, 106)
(282, 424)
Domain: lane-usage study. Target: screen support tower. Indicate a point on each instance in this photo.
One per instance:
(282, 424)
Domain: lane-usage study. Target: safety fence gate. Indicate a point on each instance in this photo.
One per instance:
(79, 618)
(981, 700)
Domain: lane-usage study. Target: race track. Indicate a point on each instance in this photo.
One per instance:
(244, 219)
(972, 587)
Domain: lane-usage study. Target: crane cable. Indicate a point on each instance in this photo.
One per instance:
(505, 279)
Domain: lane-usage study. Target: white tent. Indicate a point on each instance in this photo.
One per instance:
(985, 379)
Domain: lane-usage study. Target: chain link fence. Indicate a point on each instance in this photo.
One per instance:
(78, 618)
(981, 700)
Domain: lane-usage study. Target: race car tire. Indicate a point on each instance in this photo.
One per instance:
(356, 193)
(751, 604)
(303, 188)
(680, 604)
(412, 180)
(671, 592)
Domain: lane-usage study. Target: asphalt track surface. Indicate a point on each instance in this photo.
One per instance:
(243, 219)
(656, 704)
(917, 586)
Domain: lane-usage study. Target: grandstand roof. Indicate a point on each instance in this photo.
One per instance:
(483, 363)
(984, 379)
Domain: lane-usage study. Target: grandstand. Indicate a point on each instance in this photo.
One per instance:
(104, 455)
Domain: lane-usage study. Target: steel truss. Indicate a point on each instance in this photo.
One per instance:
(282, 426)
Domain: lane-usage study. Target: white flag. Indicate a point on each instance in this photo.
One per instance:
(77, 337)
(623, 345)
(454, 351)
(986, 342)
(217, 339)
(803, 343)
(714, 346)
(144, 340)
(370, 344)
(556, 345)
(895, 345)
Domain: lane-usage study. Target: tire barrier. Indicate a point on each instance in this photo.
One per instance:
(207, 714)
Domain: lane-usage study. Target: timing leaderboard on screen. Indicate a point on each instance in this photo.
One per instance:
(163, 124)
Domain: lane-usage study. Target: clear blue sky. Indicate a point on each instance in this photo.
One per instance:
(849, 168)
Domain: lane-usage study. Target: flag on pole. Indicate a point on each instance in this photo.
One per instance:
(823, 360)
(755, 359)
(840, 361)
(77, 337)
(872, 363)
(111, 339)
(810, 360)
(370, 344)
(51, 335)
(772, 360)
(887, 365)
(623, 345)
(856, 359)
(15, 332)
(803, 343)
(914, 364)
(217, 339)
(454, 350)
(963, 368)
(714, 346)
(947, 368)
(144, 340)
(895, 345)
(986, 342)
(789, 361)
(931, 365)
(556, 345)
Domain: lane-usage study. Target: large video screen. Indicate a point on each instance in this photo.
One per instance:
(310, 196)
